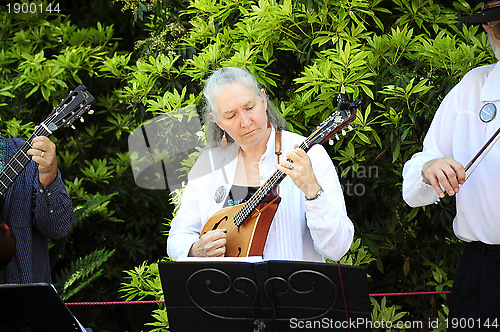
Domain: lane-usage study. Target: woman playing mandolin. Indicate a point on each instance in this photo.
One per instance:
(243, 129)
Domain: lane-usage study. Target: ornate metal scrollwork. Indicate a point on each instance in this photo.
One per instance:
(231, 289)
(210, 286)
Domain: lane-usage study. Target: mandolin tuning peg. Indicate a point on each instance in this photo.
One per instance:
(330, 141)
(344, 132)
(350, 128)
(337, 137)
(73, 127)
(82, 120)
(91, 112)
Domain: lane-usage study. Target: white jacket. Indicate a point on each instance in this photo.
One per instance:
(457, 131)
(301, 230)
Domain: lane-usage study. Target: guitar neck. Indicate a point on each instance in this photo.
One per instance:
(20, 160)
(69, 109)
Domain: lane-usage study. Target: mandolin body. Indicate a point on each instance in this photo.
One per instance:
(249, 238)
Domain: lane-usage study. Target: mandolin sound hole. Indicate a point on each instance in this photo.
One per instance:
(217, 224)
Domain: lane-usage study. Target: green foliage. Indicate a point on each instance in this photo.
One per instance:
(81, 273)
(381, 313)
(96, 204)
(357, 255)
(42, 57)
(399, 57)
(82, 267)
(144, 281)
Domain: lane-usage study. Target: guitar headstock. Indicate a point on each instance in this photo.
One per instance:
(345, 114)
(71, 108)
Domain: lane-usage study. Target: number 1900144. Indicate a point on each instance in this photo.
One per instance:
(472, 323)
(32, 8)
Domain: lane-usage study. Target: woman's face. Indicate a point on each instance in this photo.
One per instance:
(242, 114)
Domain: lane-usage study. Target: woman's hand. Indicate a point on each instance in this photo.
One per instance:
(210, 244)
(298, 166)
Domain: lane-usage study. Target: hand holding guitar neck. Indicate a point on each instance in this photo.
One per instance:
(42, 151)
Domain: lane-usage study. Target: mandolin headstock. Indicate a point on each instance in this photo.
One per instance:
(343, 116)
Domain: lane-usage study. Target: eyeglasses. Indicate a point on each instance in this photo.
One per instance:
(496, 30)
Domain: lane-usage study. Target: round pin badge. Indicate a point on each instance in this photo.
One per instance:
(220, 193)
(488, 112)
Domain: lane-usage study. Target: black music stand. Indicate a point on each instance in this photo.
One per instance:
(265, 296)
(34, 308)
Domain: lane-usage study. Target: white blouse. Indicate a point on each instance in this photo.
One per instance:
(301, 230)
(457, 131)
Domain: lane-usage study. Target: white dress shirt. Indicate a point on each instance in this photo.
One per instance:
(457, 131)
(301, 230)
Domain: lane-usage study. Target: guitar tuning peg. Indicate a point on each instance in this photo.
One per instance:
(344, 132)
(82, 120)
(73, 127)
(330, 141)
(337, 137)
(91, 112)
(350, 127)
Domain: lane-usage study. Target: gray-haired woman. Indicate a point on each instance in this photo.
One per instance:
(241, 123)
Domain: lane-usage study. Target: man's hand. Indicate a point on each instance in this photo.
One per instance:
(44, 154)
(444, 173)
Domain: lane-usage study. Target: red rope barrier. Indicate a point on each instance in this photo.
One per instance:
(411, 293)
(343, 295)
(160, 301)
(110, 303)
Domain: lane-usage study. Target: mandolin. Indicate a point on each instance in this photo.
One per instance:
(71, 108)
(247, 224)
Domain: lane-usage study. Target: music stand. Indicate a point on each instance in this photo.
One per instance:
(34, 308)
(264, 296)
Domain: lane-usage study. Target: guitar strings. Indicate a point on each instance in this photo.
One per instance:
(15, 166)
(12, 170)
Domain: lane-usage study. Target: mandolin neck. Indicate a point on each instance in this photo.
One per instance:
(265, 190)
